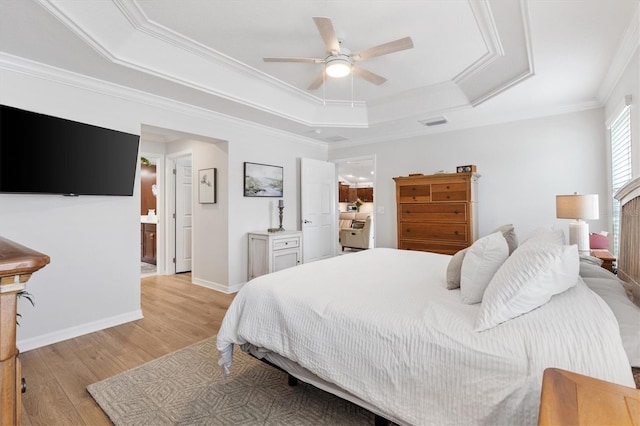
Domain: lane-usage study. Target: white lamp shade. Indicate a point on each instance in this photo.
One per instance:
(577, 206)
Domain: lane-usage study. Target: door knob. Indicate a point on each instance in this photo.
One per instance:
(307, 221)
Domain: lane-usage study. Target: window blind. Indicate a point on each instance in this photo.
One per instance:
(620, 135)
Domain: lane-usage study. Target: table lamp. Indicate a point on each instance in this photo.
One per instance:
(578, 207)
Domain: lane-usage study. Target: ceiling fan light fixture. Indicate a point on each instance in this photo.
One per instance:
(338, 66)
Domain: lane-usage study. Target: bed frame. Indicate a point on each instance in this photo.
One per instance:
(629, 250)
(628, 270)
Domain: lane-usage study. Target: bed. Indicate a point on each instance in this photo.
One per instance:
(380, 328)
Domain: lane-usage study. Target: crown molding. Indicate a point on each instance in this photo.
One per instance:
(628, 46)
(56, 75)
(452, 125)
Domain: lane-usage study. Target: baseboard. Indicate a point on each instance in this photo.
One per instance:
(80, 330)
(217, 286)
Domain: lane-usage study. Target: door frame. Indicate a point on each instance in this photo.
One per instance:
(161, 214)
(170, 222)
(373, 158)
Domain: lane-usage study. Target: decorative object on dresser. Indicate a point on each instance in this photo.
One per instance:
(280, 209)
(438, 212)
(578, 207)
(17, 263)
(271, 252)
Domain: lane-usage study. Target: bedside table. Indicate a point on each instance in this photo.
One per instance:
(573, 399)
(606, 257)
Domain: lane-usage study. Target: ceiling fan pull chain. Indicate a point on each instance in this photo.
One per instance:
(351, 89)
(324, 96)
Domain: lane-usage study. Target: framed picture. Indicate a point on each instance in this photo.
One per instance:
(262, 180)
(207, 186)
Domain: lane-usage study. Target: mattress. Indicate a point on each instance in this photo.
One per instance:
(381, 325)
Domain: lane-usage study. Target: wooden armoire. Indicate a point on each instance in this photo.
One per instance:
(437, 213)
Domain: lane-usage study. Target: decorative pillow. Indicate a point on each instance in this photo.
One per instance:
(545, 235)
(453, 269)
(480, 264)
(527, 280)
(509, 234)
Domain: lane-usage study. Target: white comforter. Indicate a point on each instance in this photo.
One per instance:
(381, 325)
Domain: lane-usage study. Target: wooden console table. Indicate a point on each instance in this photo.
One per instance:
(17, 263)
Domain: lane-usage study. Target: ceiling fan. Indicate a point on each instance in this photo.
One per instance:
(340, 61)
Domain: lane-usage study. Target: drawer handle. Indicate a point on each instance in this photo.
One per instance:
(407, 211)
(408, 230)
(456, 212)
(448, 187)
(455, 232)
(448, 196)
(23, 386)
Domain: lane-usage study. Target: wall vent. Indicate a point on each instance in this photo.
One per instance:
(433, 121)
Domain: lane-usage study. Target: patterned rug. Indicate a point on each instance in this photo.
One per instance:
(187, 387)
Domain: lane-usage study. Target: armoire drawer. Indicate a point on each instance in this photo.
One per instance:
(449, 192)
(438, 212)
(414, 193)
(431, 246)
(454, 232)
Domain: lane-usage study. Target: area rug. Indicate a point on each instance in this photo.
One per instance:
(188, 387)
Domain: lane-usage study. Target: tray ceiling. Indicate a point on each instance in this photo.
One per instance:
(472, 60)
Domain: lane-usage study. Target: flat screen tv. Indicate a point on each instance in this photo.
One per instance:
(44, 154)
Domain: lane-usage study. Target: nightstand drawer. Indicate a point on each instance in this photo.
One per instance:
(286, 243)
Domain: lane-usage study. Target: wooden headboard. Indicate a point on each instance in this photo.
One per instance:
(629, 250)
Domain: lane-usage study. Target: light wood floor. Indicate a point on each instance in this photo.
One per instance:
(176, 314)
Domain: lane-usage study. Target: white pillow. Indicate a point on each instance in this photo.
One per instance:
(527, 280)
(453, 269)
(545, 235)
(480, 263)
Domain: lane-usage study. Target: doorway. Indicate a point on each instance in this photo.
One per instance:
(151, 246)
(356, 187)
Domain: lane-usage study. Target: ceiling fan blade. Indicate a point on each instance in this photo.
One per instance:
(285, 59)
(317, 82)
(368, 75)
(384, 49)
(328, 34)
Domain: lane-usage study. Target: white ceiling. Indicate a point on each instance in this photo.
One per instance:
(473, 62)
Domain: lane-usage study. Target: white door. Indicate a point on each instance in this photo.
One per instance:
(184, 214)
(318, 209)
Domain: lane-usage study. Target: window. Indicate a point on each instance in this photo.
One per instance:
(620, 135)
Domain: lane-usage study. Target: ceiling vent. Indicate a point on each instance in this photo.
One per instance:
(433, 121)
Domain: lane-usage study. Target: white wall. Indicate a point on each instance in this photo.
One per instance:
(255, 213)
(93, 281)
(523, 164)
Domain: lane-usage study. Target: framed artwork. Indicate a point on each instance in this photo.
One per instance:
(262, 180)
(207, 186)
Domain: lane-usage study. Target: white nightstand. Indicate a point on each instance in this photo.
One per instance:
(273, 251)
